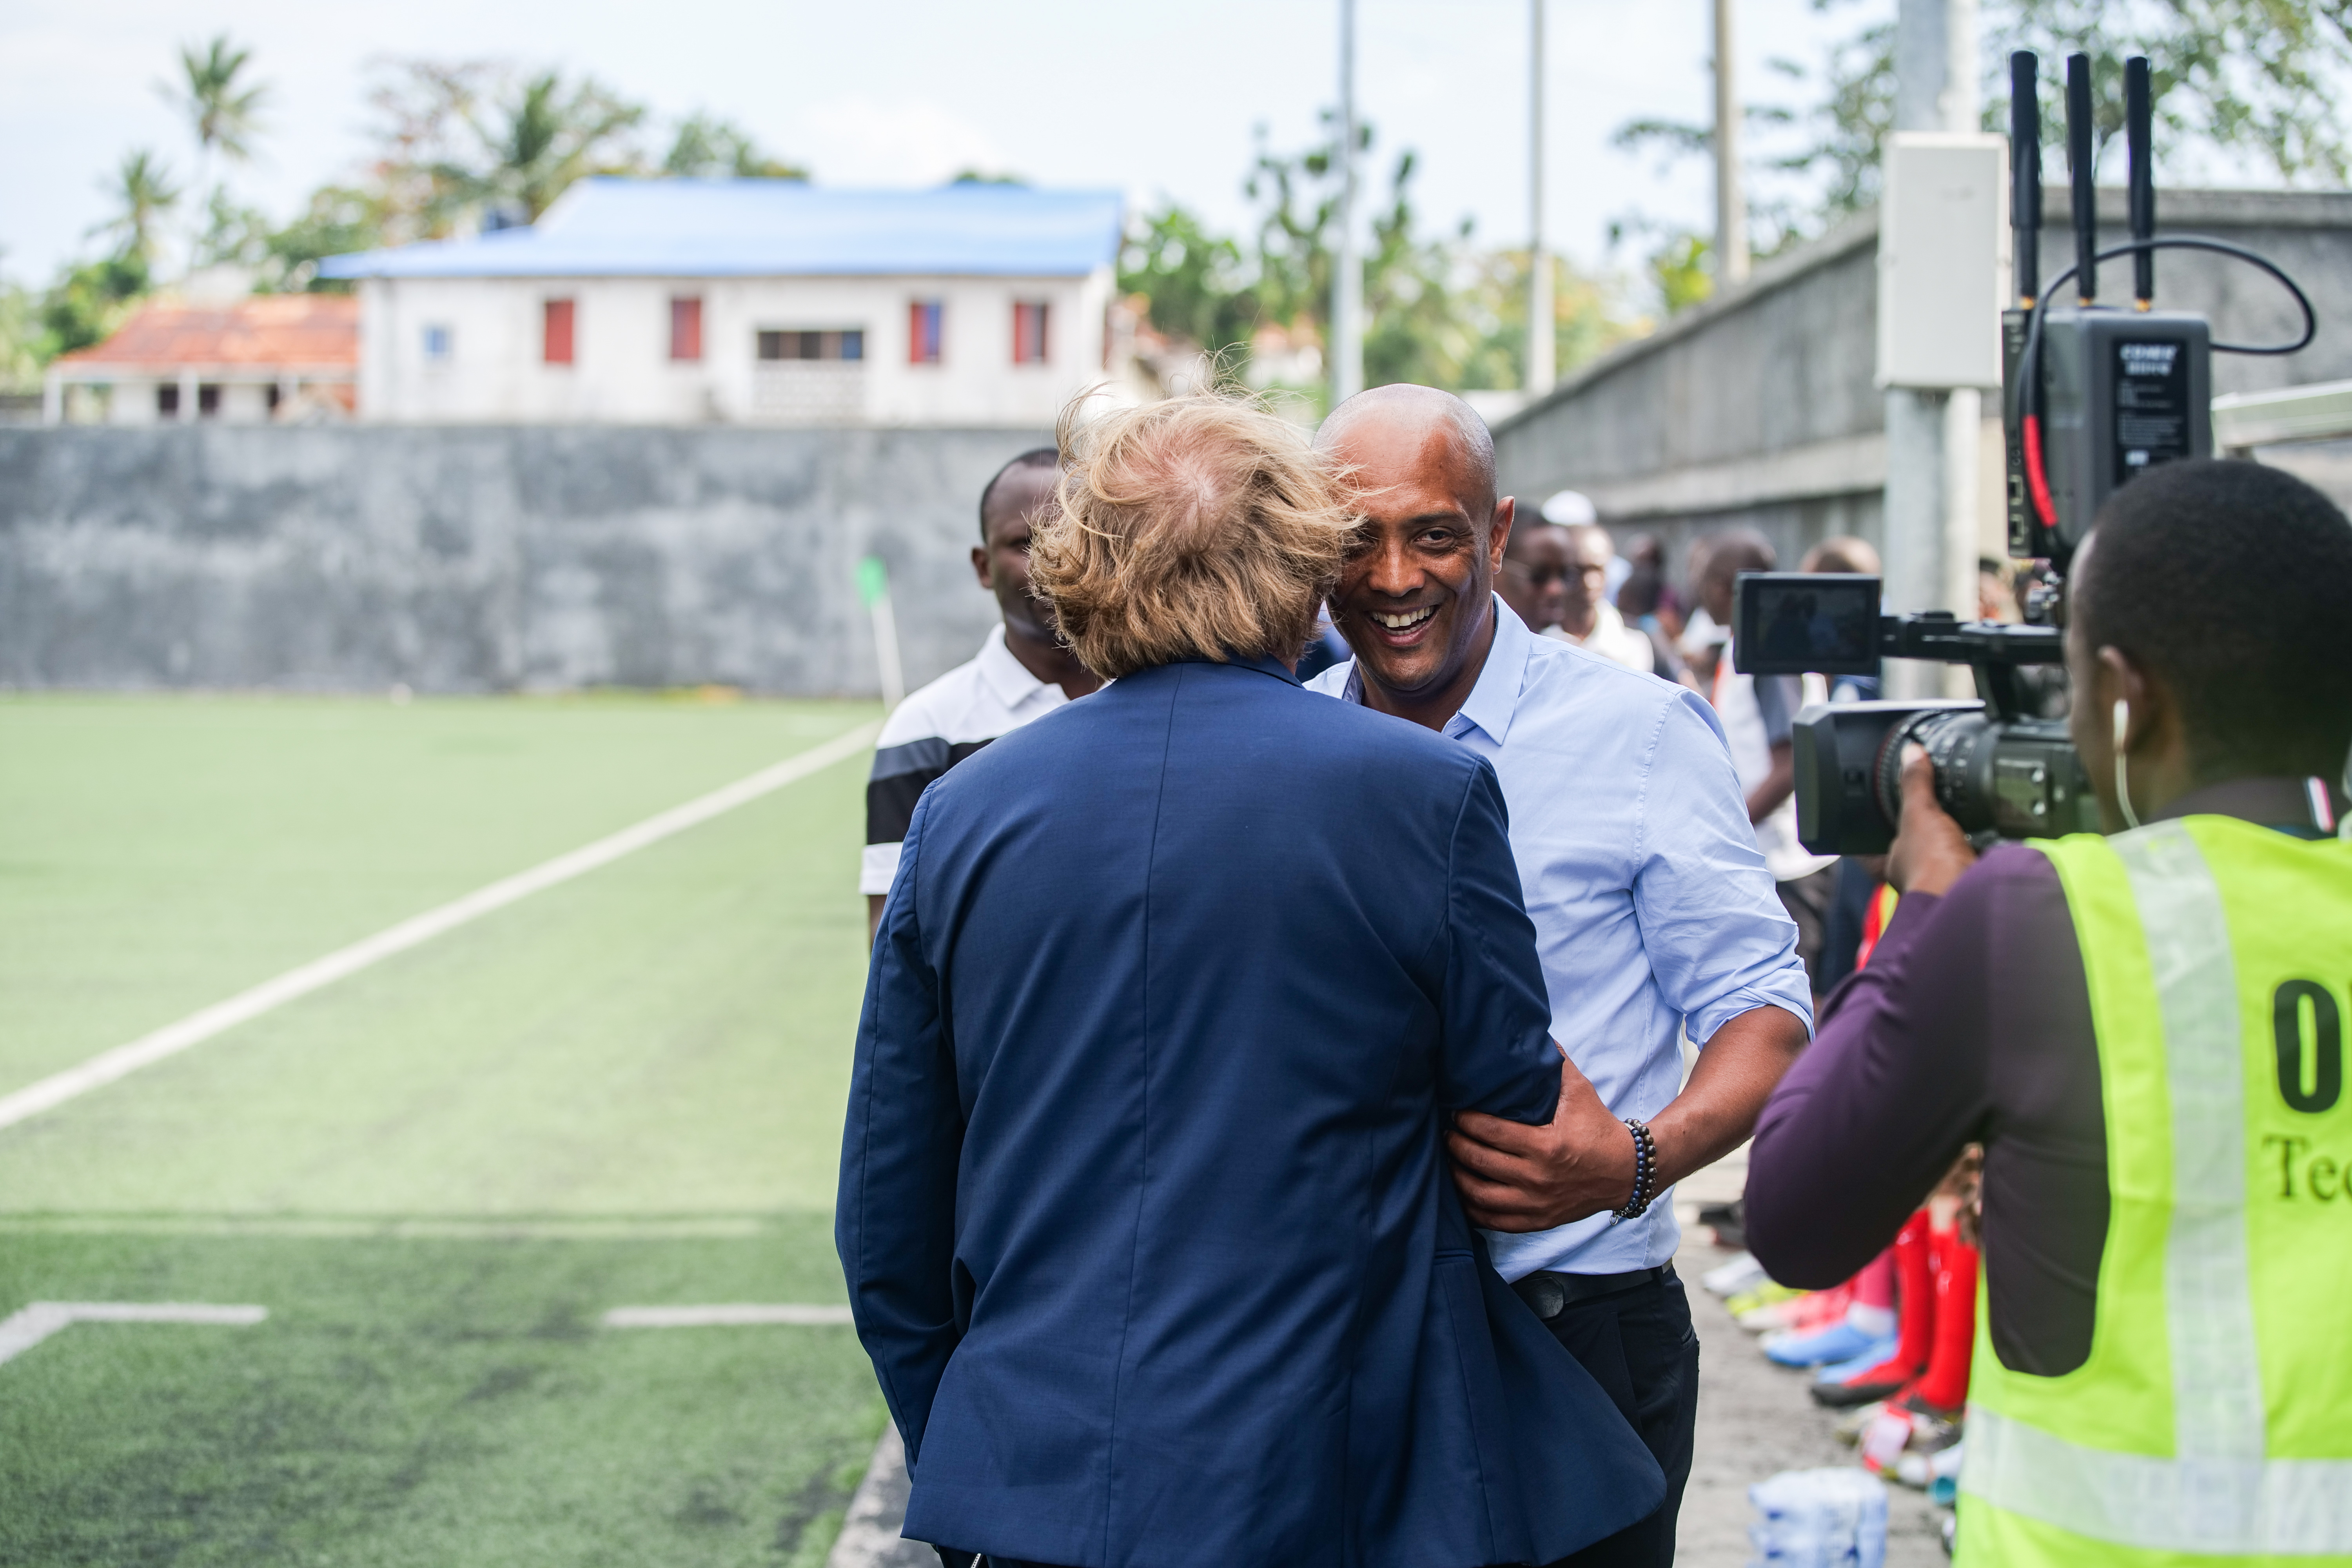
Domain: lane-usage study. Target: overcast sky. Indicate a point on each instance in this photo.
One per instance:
(1154, 100)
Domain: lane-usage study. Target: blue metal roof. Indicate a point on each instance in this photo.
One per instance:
(718, 228)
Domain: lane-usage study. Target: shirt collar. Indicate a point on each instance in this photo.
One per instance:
(1496, 696)
(1005, 675)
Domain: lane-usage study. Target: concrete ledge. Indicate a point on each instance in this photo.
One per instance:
(2245, 420)
(1845, 465)
(1855, 234)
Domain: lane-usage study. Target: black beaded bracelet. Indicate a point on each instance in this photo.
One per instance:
(1646, 1172)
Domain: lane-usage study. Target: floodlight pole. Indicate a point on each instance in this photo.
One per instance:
(1542, 371)
(1730, 198)
(1347, 267)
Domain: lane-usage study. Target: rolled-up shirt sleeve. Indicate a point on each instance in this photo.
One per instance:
(1498, 1055)
(1717, 937)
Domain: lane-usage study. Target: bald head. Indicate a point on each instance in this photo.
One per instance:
(1405, 418)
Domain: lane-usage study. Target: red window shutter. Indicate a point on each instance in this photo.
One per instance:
(686, 328)
(558, 339)
(923, 332)
(1029, 333)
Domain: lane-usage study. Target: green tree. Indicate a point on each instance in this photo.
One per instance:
(223, 113)
(2255, 79)
(1590, 316)
(337, 221)
(87, 302)
(706, 147)
(1684, 271)
(1196, 285)
(544, 138)
(1438, 310)
(1298, 198)
(144, 195)
(459, 140)
(424, 113)
(20, 345)
(2234, 80)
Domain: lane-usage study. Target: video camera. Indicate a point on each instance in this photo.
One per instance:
(1999, 769)
(2091, 398)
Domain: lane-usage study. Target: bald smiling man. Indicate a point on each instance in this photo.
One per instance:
(1654, 913)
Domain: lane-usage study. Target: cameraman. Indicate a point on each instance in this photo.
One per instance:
(2147, 1034)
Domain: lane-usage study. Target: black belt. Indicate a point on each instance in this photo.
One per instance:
(1548, 1295)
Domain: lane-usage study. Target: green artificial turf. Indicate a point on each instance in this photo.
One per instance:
(159, 854)
(436, 1175)
(430, 1403)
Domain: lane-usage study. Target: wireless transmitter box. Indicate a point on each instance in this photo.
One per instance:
(2124, 390)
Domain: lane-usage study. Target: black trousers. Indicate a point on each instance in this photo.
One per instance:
(1639, 1347)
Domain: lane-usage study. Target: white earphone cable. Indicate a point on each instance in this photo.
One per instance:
(2123, 773)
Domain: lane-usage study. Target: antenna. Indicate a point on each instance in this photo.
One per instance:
(2138, 111)
(2025, 173)
(2078, 169)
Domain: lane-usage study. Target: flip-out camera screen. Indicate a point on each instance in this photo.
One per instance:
(1786, 622)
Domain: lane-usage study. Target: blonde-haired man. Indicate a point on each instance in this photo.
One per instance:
(1143, 1208)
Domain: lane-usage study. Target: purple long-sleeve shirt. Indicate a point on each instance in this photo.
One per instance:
(1972, 1024)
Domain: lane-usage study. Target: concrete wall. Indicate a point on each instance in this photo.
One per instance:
(485, 558)
(1758, 408)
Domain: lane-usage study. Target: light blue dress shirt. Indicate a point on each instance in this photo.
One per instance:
(1654, 910)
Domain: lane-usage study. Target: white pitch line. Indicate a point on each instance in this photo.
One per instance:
(22, 1330)
(731, 1315)
(870, 1534)
(106, 1067)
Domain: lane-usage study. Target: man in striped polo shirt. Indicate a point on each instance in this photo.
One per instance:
(1022, 673)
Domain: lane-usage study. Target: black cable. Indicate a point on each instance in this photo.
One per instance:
(2028, 358)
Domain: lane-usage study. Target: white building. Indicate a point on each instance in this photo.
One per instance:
(687, 301)
(286, 357)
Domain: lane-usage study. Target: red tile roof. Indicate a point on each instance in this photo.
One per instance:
(268, 329)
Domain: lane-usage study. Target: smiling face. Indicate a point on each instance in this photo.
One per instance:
(1414, 600)
(1003, 564)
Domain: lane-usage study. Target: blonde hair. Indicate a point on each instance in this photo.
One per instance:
(1199, 527)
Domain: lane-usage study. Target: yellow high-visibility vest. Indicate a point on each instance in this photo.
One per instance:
(2214, 1417)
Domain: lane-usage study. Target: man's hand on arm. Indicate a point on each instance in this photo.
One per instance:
(1517, 1178)
(1512, 1175)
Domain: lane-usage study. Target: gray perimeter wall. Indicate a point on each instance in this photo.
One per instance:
(485, 559)
(1758, 408)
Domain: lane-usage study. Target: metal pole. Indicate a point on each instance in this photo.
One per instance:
(1933, 438)
(1962, 103)
(1730, 199)
(1347, 267)
(1541, 369)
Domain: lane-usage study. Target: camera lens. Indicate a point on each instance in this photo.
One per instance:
(1951, 739)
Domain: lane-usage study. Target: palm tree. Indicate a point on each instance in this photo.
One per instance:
(224, 115)
(143, 191)
(552, 136)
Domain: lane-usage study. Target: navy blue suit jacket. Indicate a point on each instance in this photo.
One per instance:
(1143, 1205)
